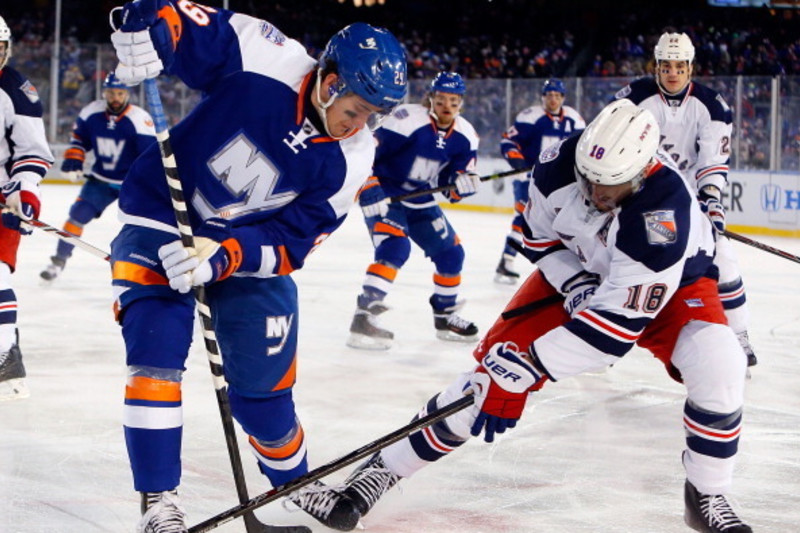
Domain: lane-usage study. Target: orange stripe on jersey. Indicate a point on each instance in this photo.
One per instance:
(123, 270)
(514, 154)
(457, 240)
(151, 389)
(75, 153)
(382, 227)
(287, 450)
(447, 281)
(72, 228)
(289, 377)
(301, 98)
(383, 271)
(285, 266)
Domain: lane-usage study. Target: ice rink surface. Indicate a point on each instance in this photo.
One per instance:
(597, 453)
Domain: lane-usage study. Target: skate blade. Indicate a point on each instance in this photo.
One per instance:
(447, 335)
(13, 389)
(505, 280)
(364, 342)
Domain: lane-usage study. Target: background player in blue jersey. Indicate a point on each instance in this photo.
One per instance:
(420, 146)
(535, 128)
(117, 132)
(24, 160)
(625, 257)
(696, 132)
(270, 163)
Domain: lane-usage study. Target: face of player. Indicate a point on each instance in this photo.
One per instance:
(446, 106)
(116, 99)
(673, 76)
(348, 113)
(607, 197)
(3, 52)
(552, 102)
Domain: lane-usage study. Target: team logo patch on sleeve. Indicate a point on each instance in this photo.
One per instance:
(272, 34)
(30, 91)
(661, 227)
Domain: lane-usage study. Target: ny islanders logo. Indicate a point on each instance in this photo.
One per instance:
(661, 227)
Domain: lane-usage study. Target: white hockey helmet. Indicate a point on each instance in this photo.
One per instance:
(618, 145)
(5, 36)
(674, 47)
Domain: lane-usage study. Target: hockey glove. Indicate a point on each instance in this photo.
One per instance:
(710, 202)
(216, 256)
(466, 185)
(501, 385)
(72, 169)
(578, 290)
(372, 199)
(23, 198)
(146, 40)
(516, 159)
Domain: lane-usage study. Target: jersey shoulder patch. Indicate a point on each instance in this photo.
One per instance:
(22, 92)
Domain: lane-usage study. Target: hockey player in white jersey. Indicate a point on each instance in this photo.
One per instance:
(270, 162)
(117, 131)
(696, 129)
(535, 129)
(625, 257)
(420, 146)
(24, 159)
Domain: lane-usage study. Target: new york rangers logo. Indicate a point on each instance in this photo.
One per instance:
(661, 227)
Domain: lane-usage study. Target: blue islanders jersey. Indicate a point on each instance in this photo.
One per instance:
(254, 150)
(23, 145)
(534, 130)
(116, 140)
(413, 154)
(657, 241)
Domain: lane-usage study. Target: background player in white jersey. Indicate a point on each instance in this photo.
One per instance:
(535, 129)
(696, 128)
(24, 160)
(599, 290)
(420, 146)
(117, 132)
(270, 162)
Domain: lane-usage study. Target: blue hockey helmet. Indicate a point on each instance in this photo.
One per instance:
(370, 63)
(554, 84)
(448, 82)
(112, 82)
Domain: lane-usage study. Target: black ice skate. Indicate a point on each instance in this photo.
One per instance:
(366, 485)
(451, 327)
(710, 513)
(12, 375)
(162, 513)
(503, 273)
(365, 333)
(744, 341)
(328, 505)
(51, 272)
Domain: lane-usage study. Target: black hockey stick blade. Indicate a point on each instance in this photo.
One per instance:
(326, 469)
(761, 246)
(417, 194)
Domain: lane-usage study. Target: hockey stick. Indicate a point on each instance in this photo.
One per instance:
(761, 246)
(416, 194)
(252, 524)
(64, 235)
(326, 469)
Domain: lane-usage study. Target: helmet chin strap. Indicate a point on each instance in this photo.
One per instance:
(323, 106)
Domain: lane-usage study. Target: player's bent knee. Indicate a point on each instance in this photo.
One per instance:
(393, 250)
(450, 260)
(712, 365)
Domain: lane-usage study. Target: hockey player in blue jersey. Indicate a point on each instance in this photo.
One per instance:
(420, 146)
(696, 131)
(625, 257)
(24, 159)
(270, 162)
(535, 129)
(117, 132)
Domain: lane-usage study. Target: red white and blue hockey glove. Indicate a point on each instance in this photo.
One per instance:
(216, 256)
(23, 199)
(372, 199)
(501, 385)
(146, 39)
(577, 292)
(710, 199)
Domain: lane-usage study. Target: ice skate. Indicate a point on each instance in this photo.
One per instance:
(744, 341)
(710, 513)
(327, 504)
(12, 375)
(503, 273)
(365, 333)
(451, 327)
(162, 513)
(366, 485)
(51, 272)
